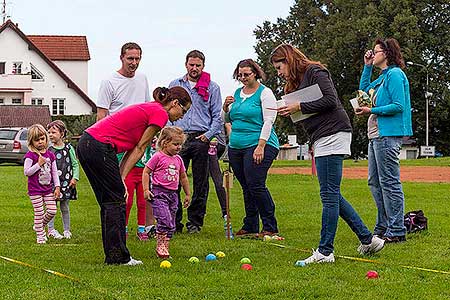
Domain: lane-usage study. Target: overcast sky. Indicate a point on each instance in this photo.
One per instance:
(166, 31)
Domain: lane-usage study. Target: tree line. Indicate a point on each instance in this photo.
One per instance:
(338, 33)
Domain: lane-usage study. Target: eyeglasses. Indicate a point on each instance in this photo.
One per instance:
(376, 51)
(244, 75)
(183, 108)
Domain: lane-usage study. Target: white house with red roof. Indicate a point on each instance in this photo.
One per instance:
(44, 70)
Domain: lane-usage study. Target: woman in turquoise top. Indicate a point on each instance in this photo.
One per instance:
(253, 145)
(389, 121)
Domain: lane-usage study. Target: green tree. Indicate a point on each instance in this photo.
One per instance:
(338, 33)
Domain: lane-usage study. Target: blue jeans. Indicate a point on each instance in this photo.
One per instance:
(252, 177)
(385, 185)
(329, 173)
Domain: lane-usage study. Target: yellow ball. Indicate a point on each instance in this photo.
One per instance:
(220, 254)
(165, 264)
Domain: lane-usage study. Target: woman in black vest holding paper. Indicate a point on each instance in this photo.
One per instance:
(330, 135)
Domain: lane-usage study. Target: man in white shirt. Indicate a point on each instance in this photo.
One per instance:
(125, 87)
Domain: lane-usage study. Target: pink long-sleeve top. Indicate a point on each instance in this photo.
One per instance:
(41, 179)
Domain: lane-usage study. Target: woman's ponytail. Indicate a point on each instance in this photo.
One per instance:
(161, 94)
(164, 95)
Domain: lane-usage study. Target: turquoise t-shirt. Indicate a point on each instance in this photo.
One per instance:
(247, 121)
(149, 151)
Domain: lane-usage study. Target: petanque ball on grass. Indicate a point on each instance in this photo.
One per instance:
(194, 260)
(267, 238)
(247, 267)
(165, 264)
(372, 275)
(246, 260)
(220, 254)
(300, 263)
(210, 257)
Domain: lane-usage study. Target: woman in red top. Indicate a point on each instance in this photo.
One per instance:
(130, 131)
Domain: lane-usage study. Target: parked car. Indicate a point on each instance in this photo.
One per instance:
(13, 144)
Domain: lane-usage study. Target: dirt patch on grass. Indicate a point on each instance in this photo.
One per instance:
(407, 173)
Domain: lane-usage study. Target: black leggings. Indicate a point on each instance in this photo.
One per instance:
(101, 166)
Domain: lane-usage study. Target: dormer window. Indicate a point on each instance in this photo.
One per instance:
(36, 75)
(17, 68)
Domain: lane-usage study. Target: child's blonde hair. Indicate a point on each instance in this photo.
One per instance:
(34, 133)
(167, 135)
(58, 124)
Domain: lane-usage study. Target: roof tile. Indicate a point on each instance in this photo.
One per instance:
(59, 47)
(24, 115)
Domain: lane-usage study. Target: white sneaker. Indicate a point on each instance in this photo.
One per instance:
(318, 257)
(55, 234)
(41, 240)
(67, 234)
(133, 262)
(376, 245)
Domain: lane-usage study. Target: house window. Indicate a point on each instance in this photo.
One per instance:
(36, 101)
(16, 101)
(58, 106)
(2, 67)
(17, 68)
(2, 101)
(36, 75)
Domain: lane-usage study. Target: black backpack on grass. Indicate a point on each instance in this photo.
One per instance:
(415, 221)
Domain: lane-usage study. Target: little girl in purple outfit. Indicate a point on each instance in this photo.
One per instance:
(43, 180)
(167, 170)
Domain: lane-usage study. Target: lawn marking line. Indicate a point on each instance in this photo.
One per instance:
(106, 292)
(365, 260)
(38, 268)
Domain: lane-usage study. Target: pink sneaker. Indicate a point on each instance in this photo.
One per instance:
(142, 236)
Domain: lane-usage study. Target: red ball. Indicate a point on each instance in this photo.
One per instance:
(247, 267)
(372, 275)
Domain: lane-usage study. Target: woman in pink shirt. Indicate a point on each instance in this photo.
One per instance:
(130, 130)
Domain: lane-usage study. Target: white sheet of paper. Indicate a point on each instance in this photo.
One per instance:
(308, 94)
(354, 103)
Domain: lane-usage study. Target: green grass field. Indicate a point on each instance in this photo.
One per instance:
(274, 275)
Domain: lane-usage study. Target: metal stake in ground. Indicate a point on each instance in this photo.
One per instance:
(228, 184)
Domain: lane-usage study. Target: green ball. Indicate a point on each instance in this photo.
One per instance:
(194, 260)
(246, 260)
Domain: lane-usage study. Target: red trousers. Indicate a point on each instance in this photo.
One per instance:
(133, 181)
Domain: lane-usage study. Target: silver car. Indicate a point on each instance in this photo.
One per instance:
(13, 144)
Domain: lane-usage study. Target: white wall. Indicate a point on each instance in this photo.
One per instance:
(77, 71)
(7, 97)
(13, 48)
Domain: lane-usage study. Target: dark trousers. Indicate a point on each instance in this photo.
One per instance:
(101, 166)
(252, 177)
(196, 151)
(216, 175)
